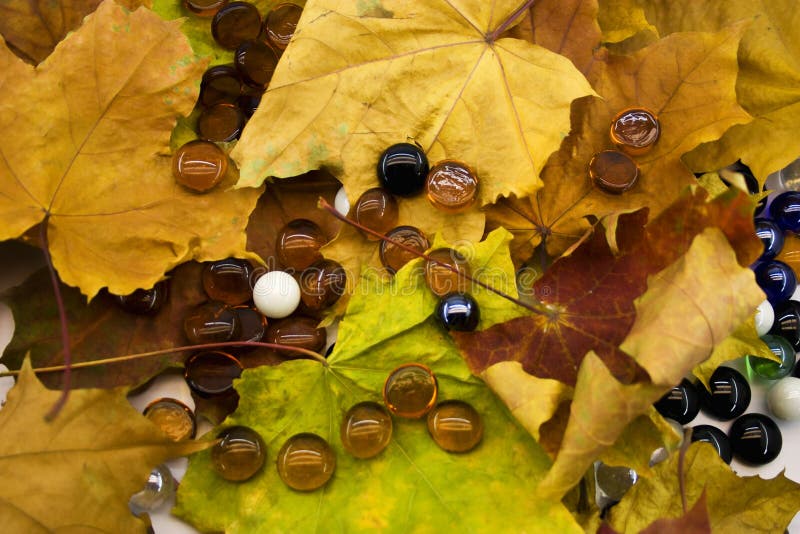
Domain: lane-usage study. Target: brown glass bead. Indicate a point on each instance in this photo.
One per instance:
(213, 322)
(298, 243)
(173, 417)
(239, 454)
(199, 165)
(321, 284)
(220, 123)
(281, 23)
(441, 280)
(211, 372)
(228, 280)
(236, 23)
(220, 85)
(376, 209)
(366, 429)
(635, 130)
(297, 331)
(204, 8)
(255, 62)
(253, 325)
(248, 104)
(451, 186)
(455, 426)
(145, 301)
(306, 462)
(394, 257)
(410, 391)
(613, 171)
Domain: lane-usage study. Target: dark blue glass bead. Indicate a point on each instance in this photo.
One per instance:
(785, 210)
(716, 437)
(403, 169)
(681, 403)
(729, 396)
(771, 236)
(458, 311)
(776, 279)
(787, 322)
(755, 439)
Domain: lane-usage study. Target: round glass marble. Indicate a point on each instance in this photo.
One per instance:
(770, 369)
(613, 171)
(765, 318)
(211, 373)
(783, 399)
(716, 437)
(785, 210)
(442, 280)
(455, 426)
(771, 237)
(403, 169)
(394, 257)
(239, 454)
(173, 417)
(306, 462)
(281, 23)
(145, 301)
(376, 209)
(681, 403)
(786, 322)
(298, 244)
(199, 165)
(777, 279)
(458, 312)
(410, 391)
(755, 439)
(228, 280)
(635, 130)
(451, 186)
(276, 294)
(729, 396)
(366, 429)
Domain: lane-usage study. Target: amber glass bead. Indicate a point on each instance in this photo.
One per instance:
(392, 256)
(410, 391)
(366, 429)
(236, 23)
(220, 85)
(321, 284)
(173, 417)
(298, 243)
(441, 280)
(297, 331)
(613, 171)
(256, 62)
(211, 372)
(239, 454)
(145, 301)
(635, 130)
(228, 280)
(213, 322)
(220, 123)
(204, 8)
(199, 165)
(281, 23)
(252, 325)
(376, 209)
(451, 186)
(455, 426)
(306, 462)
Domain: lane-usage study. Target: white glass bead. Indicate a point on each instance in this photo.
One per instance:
(765, 316)
(783, 399)
(341, 203)
(276, 294)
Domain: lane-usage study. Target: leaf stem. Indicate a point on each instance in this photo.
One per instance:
(492, 37)
(687, 440)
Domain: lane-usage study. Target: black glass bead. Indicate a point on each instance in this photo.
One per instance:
(459, 312)
(771, 236)
(681, 403)
(330, 350)
(776, 279)
(716, 437)
(248, 104)
(785, 210)
(729, 396)
(749, 178)
(787, 322)
(403, 169)
(755, 439)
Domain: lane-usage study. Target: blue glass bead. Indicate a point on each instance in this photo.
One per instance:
(459, 312)
(785, 210)
(716, 437)
(787, 322)
(776, 279)
(771, 236)
(681, 403)
(770, 369)
(729, 396)
(755, 439)
(403, 169)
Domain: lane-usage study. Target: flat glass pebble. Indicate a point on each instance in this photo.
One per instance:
(281, 23)
(255, 62)
(145, 301)
(239, 454)
(228, 280)
(455, 426)
(220, 85)
(220, 123)
(213, 322)
(248, 104)
(366, 429)
(770, 369)
(394, 257)
(786, 322)
(783, 399)
(298, 244)
(716, 437)
(776, 279)
(235, 23)
(341, 202)
(729, 396)
(403, 169)
(755, 439)
(199, 165)
(451, 186)
(410, 391)
(612, 482)
(276, 294)
(306, 462)
(211, 373)
(441, 280)
(613, 171)
(376, 209)
(771, 236)
(765, 317)
(321, 285)
(681, 403)
(635, 130)
(458, 311)
(173, 417)
(297, 331)
(204, 8)
(253, 325)
(159, 488)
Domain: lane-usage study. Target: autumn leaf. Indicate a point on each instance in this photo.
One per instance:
(85, 152)
(695, 521)
(623, 19)
(77, 472)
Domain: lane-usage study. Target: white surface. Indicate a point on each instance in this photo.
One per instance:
(276, 294)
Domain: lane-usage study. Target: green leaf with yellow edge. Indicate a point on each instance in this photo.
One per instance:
(77, 472)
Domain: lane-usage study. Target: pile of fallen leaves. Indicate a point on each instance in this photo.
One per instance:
(632, 291)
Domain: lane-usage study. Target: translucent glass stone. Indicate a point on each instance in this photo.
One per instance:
(790, 176)
(770, 369)
(451, 186)
(755, 439)
(771, 236)
(173, 417)
(458, 312)
(306, 462)
(410, 391)
(199, 165)
(220, 123)
(321, 284)
(228, 280)
(635, 130)
(281, 23)
(455, 426)
(783, 399)
(213, 322)
(211, 373)
(729, 396)
(403, 169)
(235, 23)
(785, 210)
(442, 280)
(298, 244)
(716, 437)
(777, 279)
(255, 62)
(681, 403)
(613, 171)
(765, 318)
(204, 8)
(612, 483)
(252, 324)
(145, 301)
(159, 488)
(376, 209)
(220, 85)
(297, 331)
(239, 454)
(394, 257)
(786, 322)
(366, 429)
(276, 294)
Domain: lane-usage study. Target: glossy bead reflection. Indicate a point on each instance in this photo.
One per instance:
(394, 257)
(213, 322)
(765, 318)
(613, 171)
(783, 399)
(442, 280)
(321, 285)
(204, 8)
(235, 23)
(220, 123)
(212, 372)
(455, 426)
(786, 322)
(228, 280)
(366, 429)
(785, 210)
(458, 312)
(239, 455)
(199, 165)
(451, 186)
(635, 130)
(729, 396)
(716, 437)
(755, 439)
(297, 331)
(770, 369)
(776, 279)
(159, 488)
(681, 403)
(376, 209)
(402, 169)
(173, 417)
(281, 23)
(298, 244)
(145, 301)
(410, 391)
(306, 462)
(252, 324)
(255, 62)
(771, 236)
(220, 85)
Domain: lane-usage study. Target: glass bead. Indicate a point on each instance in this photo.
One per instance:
(281, 23)
(228, 280)
(455, 426)
(770, 369)
(776, 279)
(204, 8)
(442, 280)
(341, 202)
(173, 417)
(306, 462)
(403, 169)
(613, 171)
(716, 437)
(783, 399)
(220, 123)
(451, 186)
(729, 396)
(199, 165)
(297, 331)
(252, 325)
(459, 312)
(213, 322)
(235, 23)
(255, 62)
(220, 85)
(785, 210)
(681, 403)
(145, 301)
(635, 130)
(276, 294)
(211, 373)
(159, 488)
(298, 244)
(366, 429)
(248, 104)
(786, 322)
(322, 284)
(771, 236)
(376, 209)
(410, 391)
(765, 318)
(239, 454)
(789, 176)
(392, 256)
(612, 482)
(755, 439)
